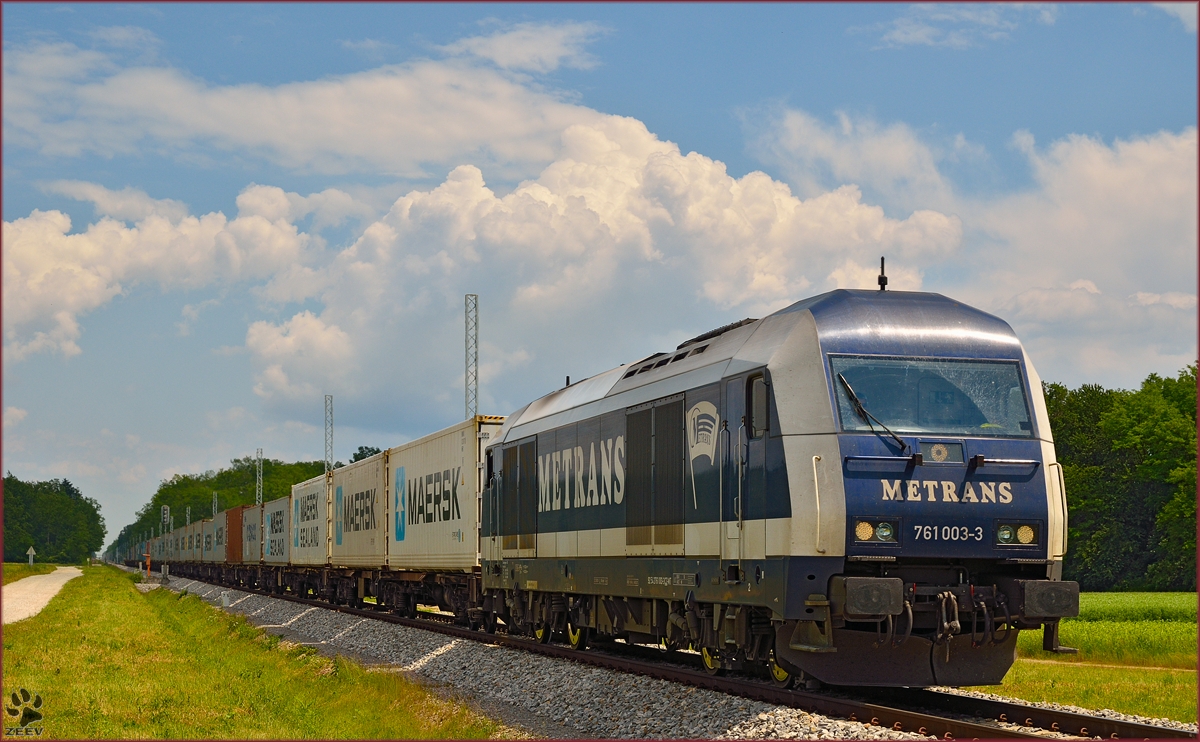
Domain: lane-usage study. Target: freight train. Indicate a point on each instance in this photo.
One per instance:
(858, 489)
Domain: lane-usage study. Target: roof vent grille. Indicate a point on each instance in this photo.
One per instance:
(719, 331)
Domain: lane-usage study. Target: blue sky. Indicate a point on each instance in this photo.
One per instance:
(215, 214)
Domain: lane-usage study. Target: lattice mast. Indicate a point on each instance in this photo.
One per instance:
(471, 306)
(328, 434)
(258, 478)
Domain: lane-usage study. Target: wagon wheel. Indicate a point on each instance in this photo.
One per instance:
(781, 676)
(577, 636)
(711, 662)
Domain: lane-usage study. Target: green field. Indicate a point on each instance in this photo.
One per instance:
(110, 662)
(1137, 654)
(14, 571)
(1137, 607)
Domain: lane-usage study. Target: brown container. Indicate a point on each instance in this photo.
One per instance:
(233, 540)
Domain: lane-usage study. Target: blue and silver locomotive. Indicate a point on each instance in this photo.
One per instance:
(858, 489)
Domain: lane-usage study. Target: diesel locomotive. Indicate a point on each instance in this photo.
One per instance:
(858, 489)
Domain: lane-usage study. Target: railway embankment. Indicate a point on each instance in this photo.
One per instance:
(546, 696)
(549, 696)
(106, 660)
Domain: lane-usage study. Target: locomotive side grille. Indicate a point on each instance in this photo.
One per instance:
(639, 481)
(528, 495)
(668, 473)
(669, 534)
(509, 514)
(638, 535)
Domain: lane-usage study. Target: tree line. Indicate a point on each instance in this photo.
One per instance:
(54, 518)
(1129, 462)
(1128, 457)
(233, 486)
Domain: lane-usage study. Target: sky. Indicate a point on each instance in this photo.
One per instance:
(216, 214)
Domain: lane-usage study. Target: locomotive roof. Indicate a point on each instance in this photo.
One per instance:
(847, 321)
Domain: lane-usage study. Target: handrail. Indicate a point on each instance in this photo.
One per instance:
(1062, 502)
(982, 461)
(724, 454)
(915, 458)
(817, 494)
(741, 472)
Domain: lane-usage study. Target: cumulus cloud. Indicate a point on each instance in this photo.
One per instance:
(13, 416)
(127, 204)
(533, 47)
(126, 37)
(1096, 264)
(1099, 253)
(889, 160)
(1185, 12)
(53, 276)
(396, 120)
(961, 26)
(621, 236)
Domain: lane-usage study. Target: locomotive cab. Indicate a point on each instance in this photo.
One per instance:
(858, 489)
(954, 523)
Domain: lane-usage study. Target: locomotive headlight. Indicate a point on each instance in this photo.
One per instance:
(1005, 534)
(863, 531)
(884, 532)
(1026, 534)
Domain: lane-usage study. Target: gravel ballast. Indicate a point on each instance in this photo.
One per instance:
(543, 695)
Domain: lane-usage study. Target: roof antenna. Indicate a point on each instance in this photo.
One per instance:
(882, 277)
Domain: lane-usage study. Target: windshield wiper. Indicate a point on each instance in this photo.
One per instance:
(868, 417)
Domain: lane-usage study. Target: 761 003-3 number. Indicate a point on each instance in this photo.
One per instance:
(948, 533)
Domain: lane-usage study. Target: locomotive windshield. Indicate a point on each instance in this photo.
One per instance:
(934, 396)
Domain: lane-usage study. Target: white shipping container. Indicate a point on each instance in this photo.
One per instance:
(220, 534)
(252, 534)
(277, 530)
(360, 524)
(206, 534)
(310, 522)
(435, 485)
(195, 541)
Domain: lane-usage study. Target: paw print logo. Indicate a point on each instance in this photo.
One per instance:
(24, 709)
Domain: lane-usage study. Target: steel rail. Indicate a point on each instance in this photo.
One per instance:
(1067, 722)
(852, 704)
(845, 708)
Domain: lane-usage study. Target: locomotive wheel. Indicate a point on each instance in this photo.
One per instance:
(489, 622)
(542, 633)
(779, 675)
(711, 662)
(577, 637)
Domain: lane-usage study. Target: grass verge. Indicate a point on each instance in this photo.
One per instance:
(14, 571)
(1141, 632)
(1134, 643)
(1169, 694)
(110, 662)
(1137, 607)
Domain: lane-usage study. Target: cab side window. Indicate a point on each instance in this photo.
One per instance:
(757, 422)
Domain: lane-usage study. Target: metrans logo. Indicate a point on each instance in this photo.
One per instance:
(916, 490)
(434, 497)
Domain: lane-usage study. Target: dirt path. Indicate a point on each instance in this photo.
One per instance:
(1081, 663)
(27, 597)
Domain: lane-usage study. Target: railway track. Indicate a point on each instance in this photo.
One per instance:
(877, 707)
